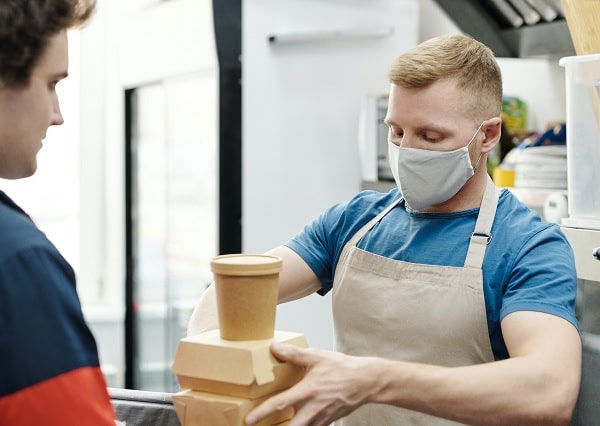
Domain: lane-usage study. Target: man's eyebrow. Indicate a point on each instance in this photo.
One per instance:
(431, 127)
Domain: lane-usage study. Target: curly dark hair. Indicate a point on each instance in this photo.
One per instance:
(25, 28)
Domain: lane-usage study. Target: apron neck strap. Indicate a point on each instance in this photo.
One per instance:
(482, 236)
(367, 227)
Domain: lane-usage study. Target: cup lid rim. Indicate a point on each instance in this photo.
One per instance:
(246, 264)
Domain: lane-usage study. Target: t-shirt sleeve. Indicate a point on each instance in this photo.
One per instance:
(544, 278)
(321, 242)
(315, 244)
(49, 367)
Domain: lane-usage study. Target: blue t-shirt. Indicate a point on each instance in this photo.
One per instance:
(528, 265)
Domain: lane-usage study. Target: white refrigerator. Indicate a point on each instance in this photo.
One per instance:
(307, 67)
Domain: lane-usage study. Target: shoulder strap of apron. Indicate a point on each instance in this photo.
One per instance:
(362, 231)
(481, 237)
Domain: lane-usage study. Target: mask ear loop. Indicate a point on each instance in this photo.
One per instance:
(476, 164)
(472, 139)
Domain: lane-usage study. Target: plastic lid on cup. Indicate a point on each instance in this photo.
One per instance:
(246, 264)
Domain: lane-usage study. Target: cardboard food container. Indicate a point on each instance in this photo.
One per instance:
(196, 408)
(246, 287)
(246, 369)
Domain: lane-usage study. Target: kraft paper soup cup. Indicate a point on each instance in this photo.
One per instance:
(246, 286)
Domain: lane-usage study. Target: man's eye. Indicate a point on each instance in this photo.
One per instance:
(395, 133)
(431, 138)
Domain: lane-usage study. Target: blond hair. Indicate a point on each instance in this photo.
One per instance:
(462, 58)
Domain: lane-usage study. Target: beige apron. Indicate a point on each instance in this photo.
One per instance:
(412, 312)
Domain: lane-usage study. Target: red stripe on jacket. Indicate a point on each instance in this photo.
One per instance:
(78, 397)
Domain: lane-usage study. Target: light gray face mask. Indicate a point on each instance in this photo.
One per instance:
(429, 177)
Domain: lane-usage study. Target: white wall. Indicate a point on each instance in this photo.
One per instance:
(301, 104)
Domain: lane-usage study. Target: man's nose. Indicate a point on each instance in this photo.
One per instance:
(406, 141)
(57, 118)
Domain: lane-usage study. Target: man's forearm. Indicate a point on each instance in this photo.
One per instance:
(509, 392)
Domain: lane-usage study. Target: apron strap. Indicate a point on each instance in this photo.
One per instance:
(481, 237)
(366, 228)
(362, 231)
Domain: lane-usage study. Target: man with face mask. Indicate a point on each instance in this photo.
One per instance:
(49, 368)
(453, 303)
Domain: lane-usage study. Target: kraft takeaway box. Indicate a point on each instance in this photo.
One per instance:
(206, 409)
(245, 369)
(223, 380)
(225, 373)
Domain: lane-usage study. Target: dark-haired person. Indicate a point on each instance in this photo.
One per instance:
(49, 367)
(452, 301)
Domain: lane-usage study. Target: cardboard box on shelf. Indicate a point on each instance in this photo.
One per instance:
(247, 369)
(196, 408)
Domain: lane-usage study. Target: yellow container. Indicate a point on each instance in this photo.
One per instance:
(504, 177)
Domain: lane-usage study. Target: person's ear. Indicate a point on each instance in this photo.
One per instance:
(492, 131)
